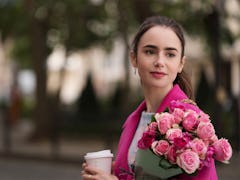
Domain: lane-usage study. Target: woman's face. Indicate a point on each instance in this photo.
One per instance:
(158, 57)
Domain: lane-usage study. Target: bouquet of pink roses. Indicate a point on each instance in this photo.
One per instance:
(184, 138)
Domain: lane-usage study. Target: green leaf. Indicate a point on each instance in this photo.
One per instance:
(153, 119)
(166, 110)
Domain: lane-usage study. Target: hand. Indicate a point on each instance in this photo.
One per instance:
(91, 173)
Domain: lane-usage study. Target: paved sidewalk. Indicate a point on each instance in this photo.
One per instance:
(16, 169)
(230, 171)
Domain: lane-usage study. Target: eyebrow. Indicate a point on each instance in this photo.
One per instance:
(171, 49)
(166, 48)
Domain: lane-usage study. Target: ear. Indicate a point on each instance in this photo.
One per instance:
(181, 65)
(133, 58)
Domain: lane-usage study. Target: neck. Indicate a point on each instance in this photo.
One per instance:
(154, 97)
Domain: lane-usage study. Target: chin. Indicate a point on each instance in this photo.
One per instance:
(163, 86)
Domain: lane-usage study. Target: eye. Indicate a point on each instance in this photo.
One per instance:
(171, 55)
(150, 51)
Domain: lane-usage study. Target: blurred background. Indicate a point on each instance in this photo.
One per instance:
(66, 84)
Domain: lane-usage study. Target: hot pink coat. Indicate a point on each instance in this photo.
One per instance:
(122, 170)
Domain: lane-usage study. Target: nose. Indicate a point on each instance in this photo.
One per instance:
(159, 62)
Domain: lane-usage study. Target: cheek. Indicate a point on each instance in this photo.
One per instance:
(142, 65)
(141, 72)
(176, 67)
(173, 71)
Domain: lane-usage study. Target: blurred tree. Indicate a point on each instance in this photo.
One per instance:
(37, 26)
(88, 105)
(204, 93)
(213, 29)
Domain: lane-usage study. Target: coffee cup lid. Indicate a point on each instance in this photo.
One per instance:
(99, 154)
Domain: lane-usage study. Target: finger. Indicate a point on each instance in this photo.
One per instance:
(92, 170)
(82, 173)
(84, 165)
(87, 176)
(112, 167)
(113, 164)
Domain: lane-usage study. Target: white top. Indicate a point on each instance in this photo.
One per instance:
(142, 126)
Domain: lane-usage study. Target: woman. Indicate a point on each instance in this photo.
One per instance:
(158, 56)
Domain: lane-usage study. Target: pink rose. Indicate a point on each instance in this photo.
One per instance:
(160, 147)
(190, 120)
(146, 140)
(152, 128)
(165, 121)
(213, 139)
(204, 117)
(183, 142)
(208, 157)
(171, 154)
(188, 161)
(205, 131)
(179, 143)
(199, 147)
(173, 133)
(178, 115)
(177, 104)
(223, 150)
(187, 136)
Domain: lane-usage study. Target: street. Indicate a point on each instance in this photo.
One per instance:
(16, 169)
(19, 169)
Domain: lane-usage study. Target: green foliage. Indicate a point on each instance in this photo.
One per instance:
(13, 24)
(205, 95)
(188, 13)
(75, 23)
(12, 19)
(27, 107)
(21, 52)
(82, 23)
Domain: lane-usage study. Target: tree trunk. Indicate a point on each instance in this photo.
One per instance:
(212, 23)
(123, 29)
(38, 37)
(142, 9)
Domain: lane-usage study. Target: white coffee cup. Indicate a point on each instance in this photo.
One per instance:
(100, 159)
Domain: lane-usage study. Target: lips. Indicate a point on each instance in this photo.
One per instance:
(157, 74)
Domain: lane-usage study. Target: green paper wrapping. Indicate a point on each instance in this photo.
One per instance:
(147, 167)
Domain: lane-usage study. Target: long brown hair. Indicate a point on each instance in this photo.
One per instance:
(182, 78)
